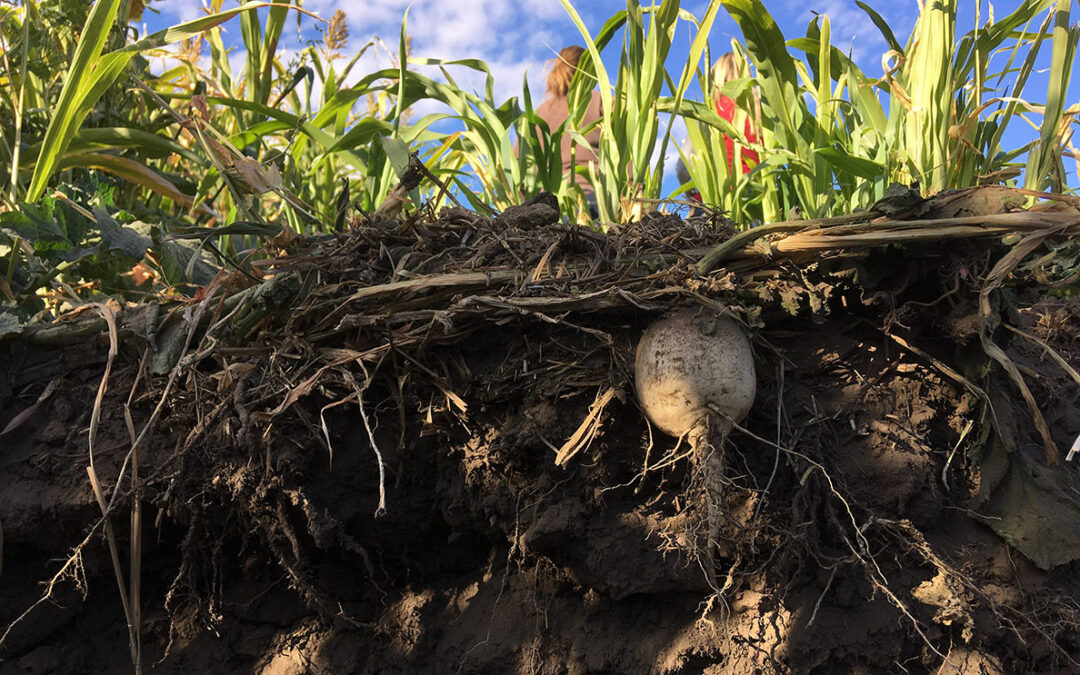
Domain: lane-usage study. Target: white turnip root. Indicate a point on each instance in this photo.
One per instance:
(694, 375)
(691, 364)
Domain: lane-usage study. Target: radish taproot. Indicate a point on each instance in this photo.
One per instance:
(691, 365)
(694, 375)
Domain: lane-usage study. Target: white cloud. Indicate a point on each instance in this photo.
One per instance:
(511, 38)
(188, 11)
(678, 138)
(542, 9)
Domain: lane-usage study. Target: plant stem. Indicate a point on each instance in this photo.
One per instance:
(19, 108)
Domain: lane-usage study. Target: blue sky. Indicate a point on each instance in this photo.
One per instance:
(519, 38)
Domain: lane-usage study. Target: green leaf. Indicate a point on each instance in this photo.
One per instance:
(882, 25)
(238, 227)
(310, 129)
(403, 59)
(71, 109)
(858, 166)
(275, 23)
(91, 74)
(786, 115)
(129, 169)
(32, 229)
(398, 153)
(121, 239)
(149, 144)
(1048, 151)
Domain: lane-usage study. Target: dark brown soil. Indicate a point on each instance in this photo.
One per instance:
(852, 538)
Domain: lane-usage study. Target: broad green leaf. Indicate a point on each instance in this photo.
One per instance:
(32, 229)
(119, 238)
(398, 153)
(882, 25)
(130, 170)
(150, 144)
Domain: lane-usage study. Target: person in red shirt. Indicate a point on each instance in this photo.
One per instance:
(727, 68)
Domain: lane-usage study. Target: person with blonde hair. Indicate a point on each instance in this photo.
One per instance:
(554, 110)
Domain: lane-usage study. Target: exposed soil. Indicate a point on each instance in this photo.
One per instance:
(856, 509)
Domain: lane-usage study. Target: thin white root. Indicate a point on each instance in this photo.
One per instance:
(381, 509)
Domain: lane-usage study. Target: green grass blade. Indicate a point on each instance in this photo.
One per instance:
(19, 105)
(151, 144)
(403, 58)
(251, 33)
(1041, 159)
(858, 166)
(882, 25)
(69, 114)
(131, 170)
(91, 74)
(275, 23)
(594, 52)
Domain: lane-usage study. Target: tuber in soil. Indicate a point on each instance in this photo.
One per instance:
(690, 364)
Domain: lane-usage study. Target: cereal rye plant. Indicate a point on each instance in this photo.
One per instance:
(946, 110)
(92, 72)
(834, 146)
(630, 168)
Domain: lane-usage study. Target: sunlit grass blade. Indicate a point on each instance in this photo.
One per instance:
(150, 144)
(130, 170)
(72, 108)
(19, 103)
(91, 73)
(1047, 153)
